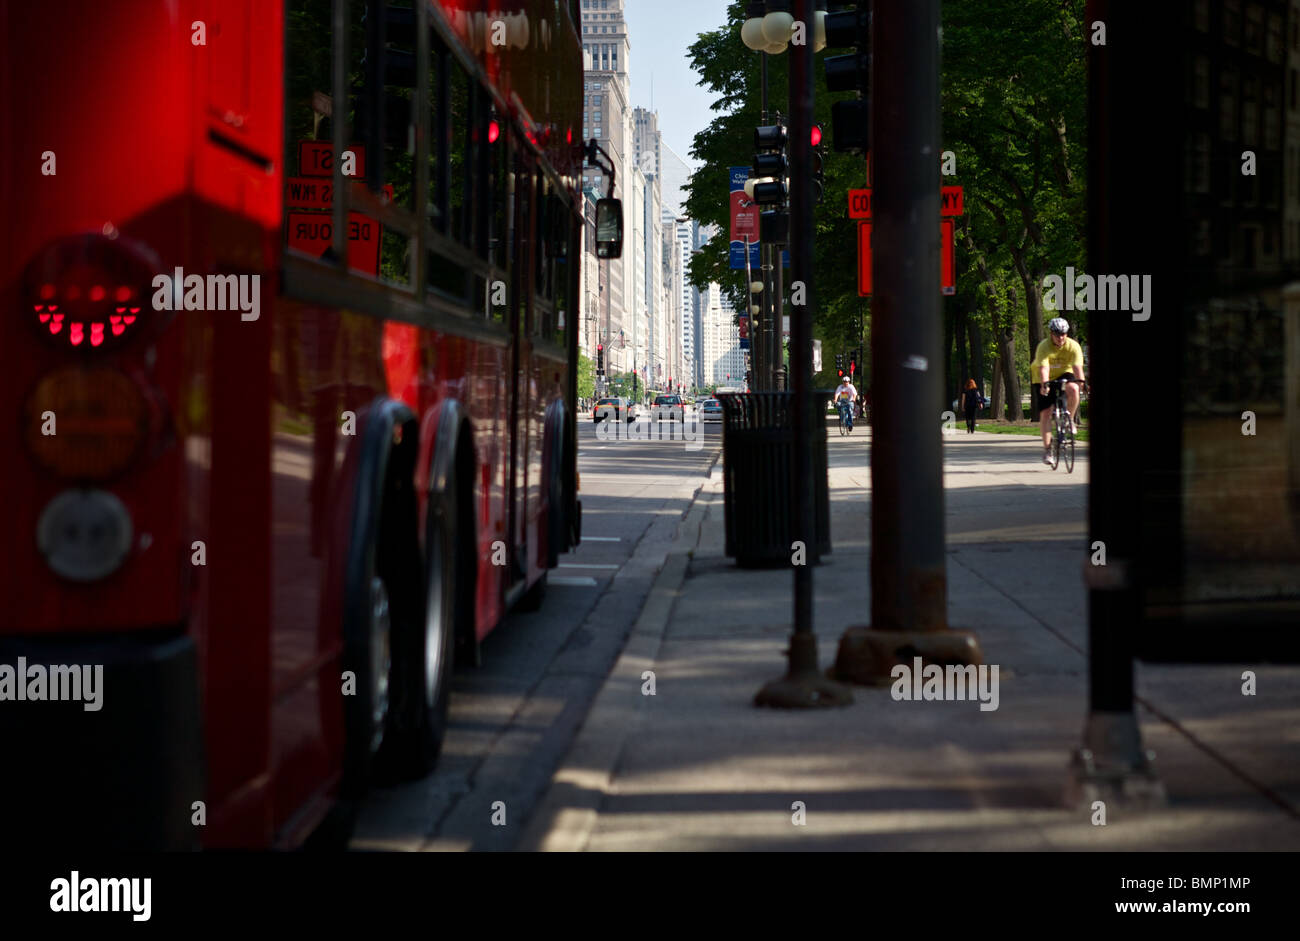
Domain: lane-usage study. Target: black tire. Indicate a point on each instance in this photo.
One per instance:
(1067, 447)
(1056, 439)
(367, 646)
(426, 648)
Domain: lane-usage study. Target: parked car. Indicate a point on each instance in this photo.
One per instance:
(710, 410)
(615, 408)
(669, 407)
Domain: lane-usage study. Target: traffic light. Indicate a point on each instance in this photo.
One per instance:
(819, 169)
(851, 119)
(600, 359)
(853, 363)
(839, 363)
(769, 186)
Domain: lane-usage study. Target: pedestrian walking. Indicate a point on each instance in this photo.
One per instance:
(973, 401)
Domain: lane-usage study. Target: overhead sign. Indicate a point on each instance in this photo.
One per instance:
(316, 158)
(950, 203)
(313, 232)
(947, 258)
(744, 221)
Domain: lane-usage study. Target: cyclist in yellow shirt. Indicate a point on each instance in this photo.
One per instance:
(1057, 360)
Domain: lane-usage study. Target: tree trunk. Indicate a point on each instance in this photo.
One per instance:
(959, 329)
(976, 351)
(1033, 302)
(997, 387)
(1007, 356)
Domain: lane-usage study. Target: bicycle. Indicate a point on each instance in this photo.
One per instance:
(845, 427)
(1062, 428)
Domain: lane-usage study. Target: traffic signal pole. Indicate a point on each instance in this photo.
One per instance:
(909, 587)
(804, 685)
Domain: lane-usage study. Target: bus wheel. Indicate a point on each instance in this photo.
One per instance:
(418, 722)
(368, 658)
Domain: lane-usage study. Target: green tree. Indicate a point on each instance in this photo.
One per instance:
(586, 377)
(1014, 99)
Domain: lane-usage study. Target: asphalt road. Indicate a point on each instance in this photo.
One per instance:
(513, 719)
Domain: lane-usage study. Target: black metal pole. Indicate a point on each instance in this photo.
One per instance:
(908, 576)
(758, 335)
(803, 685)
(801, 244)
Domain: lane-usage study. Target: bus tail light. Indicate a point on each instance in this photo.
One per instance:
(86, 424)
(90, 292)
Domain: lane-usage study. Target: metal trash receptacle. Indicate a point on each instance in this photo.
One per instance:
(758, 467)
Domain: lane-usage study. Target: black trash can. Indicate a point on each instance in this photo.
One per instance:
(758, 467)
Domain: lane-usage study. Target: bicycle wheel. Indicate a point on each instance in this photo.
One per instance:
(1057, 429)
(844, 429)
(1067, 449)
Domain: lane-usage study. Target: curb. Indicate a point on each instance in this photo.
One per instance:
(564, 819)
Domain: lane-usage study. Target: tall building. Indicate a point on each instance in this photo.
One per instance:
(724, 362)
(684, 299)
(607, 117)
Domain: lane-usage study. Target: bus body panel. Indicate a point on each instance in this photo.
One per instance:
(172, 136)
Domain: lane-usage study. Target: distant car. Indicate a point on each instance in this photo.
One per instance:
(614, 408)
(668, 407)
(710, 410)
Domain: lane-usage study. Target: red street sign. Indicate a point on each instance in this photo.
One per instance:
(864, 259)
(947, 258)
(859, 204)
(948, 261)
(950, 202)
(304, 192)
(312, 232)
(316, 158)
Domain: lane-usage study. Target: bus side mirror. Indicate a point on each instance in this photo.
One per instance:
(609, 228)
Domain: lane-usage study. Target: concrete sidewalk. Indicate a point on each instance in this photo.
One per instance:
(697, 766)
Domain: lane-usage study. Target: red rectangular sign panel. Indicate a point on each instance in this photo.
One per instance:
(311, 232)
(304, 192)
(316, 158)
(864, 259)
(947, 258)
(950, 202)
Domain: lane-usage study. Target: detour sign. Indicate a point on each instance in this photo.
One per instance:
(313, 233)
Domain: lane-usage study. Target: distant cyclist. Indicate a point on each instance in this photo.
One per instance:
(845, 396)
(1058, 359)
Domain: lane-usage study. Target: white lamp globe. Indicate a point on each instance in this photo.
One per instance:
(753, 309)
(755, 287)
(819, 31)
(751, 33)
(777, 28)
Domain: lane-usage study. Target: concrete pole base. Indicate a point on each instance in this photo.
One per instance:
(866, 656)
(1112, 766)
(804, 686)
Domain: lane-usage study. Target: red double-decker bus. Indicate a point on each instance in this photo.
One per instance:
(292, 301)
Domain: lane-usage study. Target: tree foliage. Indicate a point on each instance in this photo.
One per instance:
(1014, 99)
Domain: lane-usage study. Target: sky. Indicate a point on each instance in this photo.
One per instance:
(660, 32)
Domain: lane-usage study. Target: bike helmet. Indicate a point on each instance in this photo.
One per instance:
(1058, 325)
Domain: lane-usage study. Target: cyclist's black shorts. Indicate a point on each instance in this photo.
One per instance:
(1045, 401)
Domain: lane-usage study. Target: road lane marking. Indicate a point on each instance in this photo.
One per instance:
(602, 538)
(573, 581)
(579, 565)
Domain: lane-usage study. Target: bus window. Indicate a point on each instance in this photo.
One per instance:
(458, 123)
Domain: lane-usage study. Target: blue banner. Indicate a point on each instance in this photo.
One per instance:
(744, 221)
